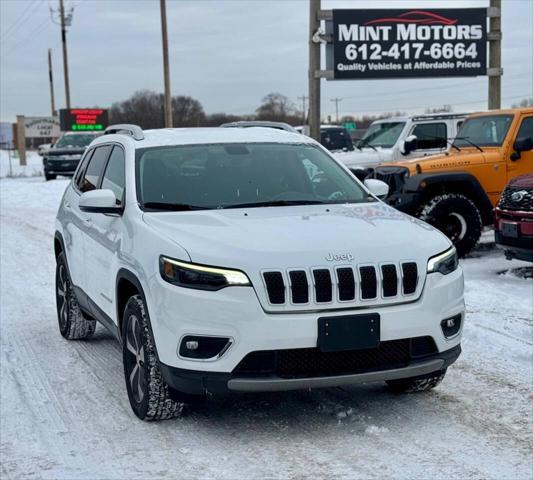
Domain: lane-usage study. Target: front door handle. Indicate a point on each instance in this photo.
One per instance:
(87, 221)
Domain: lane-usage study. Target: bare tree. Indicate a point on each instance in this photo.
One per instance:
(187, 112)
(144, 108)
(278, 108)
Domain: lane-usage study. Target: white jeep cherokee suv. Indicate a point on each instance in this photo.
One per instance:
(245, 260)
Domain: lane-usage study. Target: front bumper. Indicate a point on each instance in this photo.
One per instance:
(521, 246)
(61, 167)
(199, 382)
(236, 313)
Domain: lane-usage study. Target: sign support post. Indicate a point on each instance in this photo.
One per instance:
(21, 139)
(495, 55)
(314, 67)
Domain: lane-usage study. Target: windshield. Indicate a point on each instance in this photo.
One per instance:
(335, 139)
(74, 140)
(486, 131)
(383, 135)
(234, 175)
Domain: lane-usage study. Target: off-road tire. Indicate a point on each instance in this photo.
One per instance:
(417, 384)
(73, 324)
(49, 176)
(149, 395)
(457, 217)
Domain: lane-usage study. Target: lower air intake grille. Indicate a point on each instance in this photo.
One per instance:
(311, 362)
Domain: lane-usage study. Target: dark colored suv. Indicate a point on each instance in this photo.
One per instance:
(513, 219)
(64, 156)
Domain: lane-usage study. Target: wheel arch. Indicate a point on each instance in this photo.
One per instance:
(59, 244)
(463, 183)
(128, 284)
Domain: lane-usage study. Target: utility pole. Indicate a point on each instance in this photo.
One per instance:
(51, 79)
(495, 55)
(166, 70)
(303, 98)
(336, 100)
(314, 67)
(65, 58)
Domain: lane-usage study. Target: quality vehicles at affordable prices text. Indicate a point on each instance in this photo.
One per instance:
(456, 192)
(245, 260)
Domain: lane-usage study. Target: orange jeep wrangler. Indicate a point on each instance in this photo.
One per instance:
(456, 192)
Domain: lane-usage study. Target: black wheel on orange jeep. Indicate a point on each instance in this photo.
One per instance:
(457, 217)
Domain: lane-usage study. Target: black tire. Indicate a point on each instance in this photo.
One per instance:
(457, 217)
(417, 384)
(49, 176)
(73, 325)
(149, 395)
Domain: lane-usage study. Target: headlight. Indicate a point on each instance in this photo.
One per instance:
(444, 263)
(201, 277)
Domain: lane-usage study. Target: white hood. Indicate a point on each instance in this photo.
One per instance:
(281, 237)
(367, 157)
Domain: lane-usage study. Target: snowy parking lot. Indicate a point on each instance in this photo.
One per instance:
(65, 412)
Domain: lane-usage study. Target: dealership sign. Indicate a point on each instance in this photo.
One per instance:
(83, 119)
(41, 127)
(408, 43)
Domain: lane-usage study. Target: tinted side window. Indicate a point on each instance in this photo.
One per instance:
(83, 166)
(114, 174)
(94, 170)
(431, 135)
(526, 129)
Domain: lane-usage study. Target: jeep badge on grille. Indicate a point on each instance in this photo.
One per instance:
(338, 257)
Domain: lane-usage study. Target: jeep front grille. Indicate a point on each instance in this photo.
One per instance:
(322, 286)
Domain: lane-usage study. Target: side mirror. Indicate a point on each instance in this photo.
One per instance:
(377, 187)
(99, 201)
(523, 145)
(408, 145)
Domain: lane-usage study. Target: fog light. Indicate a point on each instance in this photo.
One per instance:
(203, 348)
(451, 326)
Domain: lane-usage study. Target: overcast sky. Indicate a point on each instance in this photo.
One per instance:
(227, 54)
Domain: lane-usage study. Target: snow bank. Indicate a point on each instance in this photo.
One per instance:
(10, 165)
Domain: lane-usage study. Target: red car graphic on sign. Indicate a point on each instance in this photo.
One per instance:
(420, 17)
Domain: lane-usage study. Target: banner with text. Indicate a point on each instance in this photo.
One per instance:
(409, 43)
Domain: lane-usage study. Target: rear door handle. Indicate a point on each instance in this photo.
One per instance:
(88, 221)
(67, 205)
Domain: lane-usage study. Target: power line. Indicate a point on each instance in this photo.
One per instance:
(17, 22)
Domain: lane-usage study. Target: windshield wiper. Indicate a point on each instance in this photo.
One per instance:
(173, 207)
(364, 141)
(470, 142)
(274, 203)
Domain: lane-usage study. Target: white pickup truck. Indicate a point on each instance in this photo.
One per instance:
(397, 138)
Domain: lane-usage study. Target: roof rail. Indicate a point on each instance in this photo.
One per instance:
(134, 130)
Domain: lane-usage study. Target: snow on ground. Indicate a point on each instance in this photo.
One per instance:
(65, 413)
(10, 164)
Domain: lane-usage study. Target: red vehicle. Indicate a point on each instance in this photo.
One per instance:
(513, 219)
